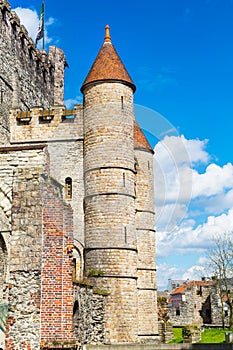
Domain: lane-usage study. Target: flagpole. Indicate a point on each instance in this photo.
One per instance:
(41, 31)
(43, 28)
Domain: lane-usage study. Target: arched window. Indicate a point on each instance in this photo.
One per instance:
(68, 187)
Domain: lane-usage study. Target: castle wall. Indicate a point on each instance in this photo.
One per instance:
(89, 314)
(53, 160)
(39, 125)
(56, 287)
(110, 239)
(28, 77)
(39, 243)
(193, 310)
(20, 227)
(12, 158)
(145, 228)
(24, 280)
(62, 131)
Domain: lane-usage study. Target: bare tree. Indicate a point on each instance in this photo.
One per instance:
(221, 265)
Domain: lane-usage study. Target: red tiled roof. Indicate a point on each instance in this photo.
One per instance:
(108, 66)
(181, 289)
(140, 140)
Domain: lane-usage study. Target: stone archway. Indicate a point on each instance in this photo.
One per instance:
(78, 260)
(78, 264)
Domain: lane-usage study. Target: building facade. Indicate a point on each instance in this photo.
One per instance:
(199, 302)
(77, 237)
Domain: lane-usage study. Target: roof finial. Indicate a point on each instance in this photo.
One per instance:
(107, 38)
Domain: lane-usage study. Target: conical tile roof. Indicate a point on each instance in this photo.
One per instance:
(108, 66)
(140, 140)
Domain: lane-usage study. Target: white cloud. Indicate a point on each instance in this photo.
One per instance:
(165, 272)
(179, 184)
(173, 160)
(192, 207)
(30, 19)
(195, 273)
(71, 102)
(214, 181)
(186, 239)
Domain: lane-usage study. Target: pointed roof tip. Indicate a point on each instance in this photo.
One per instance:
(108, 66)
(107, 38)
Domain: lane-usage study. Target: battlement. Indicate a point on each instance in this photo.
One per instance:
(23, 42)
(41, 125)
(24, 70)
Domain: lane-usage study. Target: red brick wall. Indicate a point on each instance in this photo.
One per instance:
(56, 293)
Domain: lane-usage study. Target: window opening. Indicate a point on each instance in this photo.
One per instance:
(125, 233)
(68, 187)
(124, 179)
(122, 102)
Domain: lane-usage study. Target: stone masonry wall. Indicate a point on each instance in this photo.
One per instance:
(109, 176)
(56, 287)
(25, 244)
(216, 308)
(193, 309)
(3, 267)
(40, 125)
(145, 228)
(89, 314)
(64, 138)
(24, 70)
(12, 158)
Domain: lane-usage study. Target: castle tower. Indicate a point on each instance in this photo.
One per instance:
(109, 175)
(145, 228)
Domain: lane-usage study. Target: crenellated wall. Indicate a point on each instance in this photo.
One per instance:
(62, 131)
(69, 177)
(24, 70)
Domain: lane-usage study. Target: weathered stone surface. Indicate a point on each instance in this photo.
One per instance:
(89, 314)
(76, 201)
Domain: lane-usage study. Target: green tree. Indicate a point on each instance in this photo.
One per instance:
(221, 266)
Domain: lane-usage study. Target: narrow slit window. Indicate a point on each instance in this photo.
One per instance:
(148, 165)
(68, 187)
(1, 97)
(124, 179)
(122, 102)
(125, 234)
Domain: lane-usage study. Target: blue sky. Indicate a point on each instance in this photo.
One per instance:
(180, 56)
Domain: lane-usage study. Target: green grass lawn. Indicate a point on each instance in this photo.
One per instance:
(177, 336)
(210, 335)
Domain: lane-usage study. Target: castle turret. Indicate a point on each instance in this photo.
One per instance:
(145, 228)
(109, 175)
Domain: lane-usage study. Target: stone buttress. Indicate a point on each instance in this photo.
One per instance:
(109, 175)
